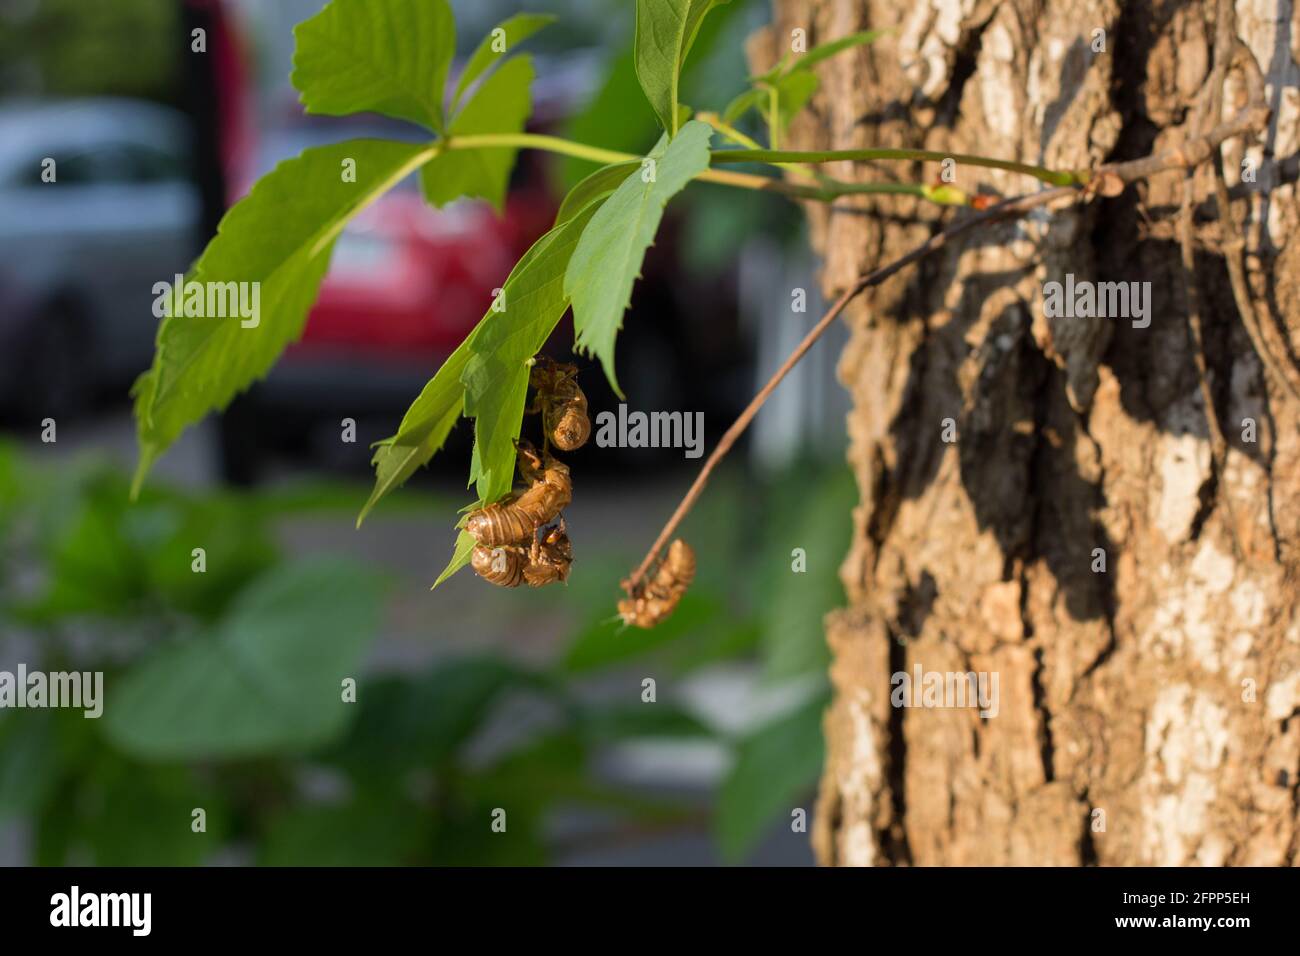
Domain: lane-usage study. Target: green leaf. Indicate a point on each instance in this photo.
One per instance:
(665, 31)
(279, 236)
(14, 483)
(608, 258)
(394, 464)
(460, 841)
(496, 390)
(742, 104)
(460, 556)
(267, 678)
(793, 80)
(617, 116)
(773, 768)
(525, 783)
(596, 186)
(538, 771)
(792, 94)
(426, 720)
(126, 814)
(382, 56)
(622, 722)
(496, 375)
(493, 369)
(822, 51)
(794, 604)
(600, 645)
(424, 428)
(369, 830)
(501, 105)
(31, 761)
(109, 557)
(486, 377)
(515, 30)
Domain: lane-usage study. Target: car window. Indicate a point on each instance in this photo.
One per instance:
(73, 168)
(115, 163)
(145, 164)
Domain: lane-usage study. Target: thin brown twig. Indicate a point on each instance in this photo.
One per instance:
(1011, 207)
(1187, 248)
(1218, 444)
(1107, 181)
(1209, 107)
(1273, 351)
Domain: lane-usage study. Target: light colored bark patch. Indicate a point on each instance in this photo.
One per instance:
(1183, 465)
(1283, 697)
(860, 781)
(1186, 743)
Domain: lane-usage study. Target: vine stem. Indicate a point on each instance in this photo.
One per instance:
(1049, 176)
(727, 130)
(827, 191)
(551, 144)
(1106, 180)
(775, 157)
(803, 172)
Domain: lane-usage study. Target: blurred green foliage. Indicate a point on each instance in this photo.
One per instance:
(75, 48)
(223, 689)
(618, 116)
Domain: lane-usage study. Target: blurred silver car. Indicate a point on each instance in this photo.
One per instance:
(79, 255)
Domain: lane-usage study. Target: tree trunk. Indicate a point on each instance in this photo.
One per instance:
(1079, 538)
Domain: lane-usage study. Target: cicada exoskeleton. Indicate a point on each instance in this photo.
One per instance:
(515, 519)
(561, 402)
(653, 601)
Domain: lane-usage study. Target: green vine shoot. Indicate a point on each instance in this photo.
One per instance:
(394, 57)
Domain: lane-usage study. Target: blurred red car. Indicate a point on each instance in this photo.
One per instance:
(406, 285)
(409, 281)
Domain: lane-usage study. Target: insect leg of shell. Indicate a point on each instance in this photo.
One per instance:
(531, 464)
(550, 558)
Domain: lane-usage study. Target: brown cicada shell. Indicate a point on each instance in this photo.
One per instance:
(561, 402)
(543, 562)
(550, 558)
(514, 520)
(656, 599)
(502, 566)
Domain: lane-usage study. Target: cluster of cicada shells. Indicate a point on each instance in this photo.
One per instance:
(522, 538)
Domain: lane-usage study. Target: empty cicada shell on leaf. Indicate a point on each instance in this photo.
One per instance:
(508, 551)
(561, 402)
(550, 558)
(543, 562)
(502, 566)
(516, 518)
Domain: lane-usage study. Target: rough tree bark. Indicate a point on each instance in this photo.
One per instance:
(1127, 691)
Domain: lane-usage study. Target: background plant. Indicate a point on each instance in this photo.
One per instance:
(393, 57)
(411, 771)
